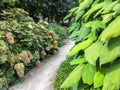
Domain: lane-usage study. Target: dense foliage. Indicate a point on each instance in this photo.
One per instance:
(95, 29)
(60, 31)
(62, 73)
(23, 44)
(51, 9)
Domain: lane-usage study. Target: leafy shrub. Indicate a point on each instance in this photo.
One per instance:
(60, 31)
(62, 73)
(96, 30)
(23, 44)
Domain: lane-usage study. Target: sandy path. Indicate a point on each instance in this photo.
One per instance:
(42, 78)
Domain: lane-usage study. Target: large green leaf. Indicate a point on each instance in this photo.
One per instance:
(84, 5)
(74, 26)
(78, 61)
(84, 32)
(116, 9)
(110, 7)
(88, 74)
(107, 17)
(93, 52)
(98, 79)
(112, 78)
(75, 34)
(79, 15)
(95, 25)
(74, 77)
(111, 51)
(80, 46)
(111, 31)
(93, 9)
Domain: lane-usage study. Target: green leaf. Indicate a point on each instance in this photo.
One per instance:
(112, 78)
(111, 51)
(111, 31)
(93, 52)
(98, 79)
(88, 74)
(1, 72)
(93, 9)
(84, 5)
(79, 15)
(110, 7)
(84, 32)
(75, 34)
(107, 17)
(74, 77)
(77, 61)
(80, 46)
(75, 87)
(68, 16)
(95, 25)
(74, 26)
(116, 9)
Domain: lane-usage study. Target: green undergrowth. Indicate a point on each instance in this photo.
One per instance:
(60, 31)
(62, 73)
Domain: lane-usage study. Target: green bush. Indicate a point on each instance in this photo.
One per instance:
(23, 44)
(62, 73)
(95, 28)
(60, 31)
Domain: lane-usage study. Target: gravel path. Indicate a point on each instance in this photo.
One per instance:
(42, 78)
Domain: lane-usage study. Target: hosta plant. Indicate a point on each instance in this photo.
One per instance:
(95, 28)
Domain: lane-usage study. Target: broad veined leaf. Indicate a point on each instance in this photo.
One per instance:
(99, 79)
(81, 33)
(116, 9)
(84, 5)
(93, 9)
(75, 34)
(74, 26)
(111, 31)
(101, 10)
(112, 77)
(73, 10)
(75, 87)
(79, 15)
(110, 7)
(74, 77)
(70, 13)
(88, 74)
(107, 17)
(95, 25)
(93, 52)
(68, 16)
(78, 61)
(111, 51)
(93, 36)
(84, 32)
(80, 46)
(95, 2)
